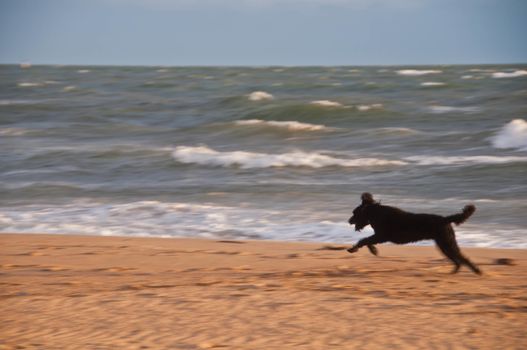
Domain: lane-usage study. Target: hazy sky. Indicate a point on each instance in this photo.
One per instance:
(263, 32)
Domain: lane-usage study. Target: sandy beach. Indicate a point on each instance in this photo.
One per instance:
(85, 292)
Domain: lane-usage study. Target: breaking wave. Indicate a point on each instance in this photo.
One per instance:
(204, 155)
(515, 74)
(260, 96)
(464, 160)
(512, 135)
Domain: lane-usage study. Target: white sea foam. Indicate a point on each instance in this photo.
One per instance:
(210, 220)
(364, 108)
(432, 83)
(204, 155)
(515, 74)
(30, 84)
(12, 131)
(452, 109)
(162, 219)
(83, 71)
(289, 125)
(17, 102)
(417, 72)
(260, 96)
(69, 88)
(512, 135)
(325, 103)
(464, 160)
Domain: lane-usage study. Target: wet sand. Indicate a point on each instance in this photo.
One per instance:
(84, 292)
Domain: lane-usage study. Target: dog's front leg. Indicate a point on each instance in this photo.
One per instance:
(368, 241)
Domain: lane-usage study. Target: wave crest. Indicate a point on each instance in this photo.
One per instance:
(432, 84)
(289, 125)
(204, 155)
(512, 135)
(260, 96)
(417, 72)
(452, 109)
(325, 103)
(30, 84)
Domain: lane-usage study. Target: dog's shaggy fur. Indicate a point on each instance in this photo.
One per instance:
(392, 224)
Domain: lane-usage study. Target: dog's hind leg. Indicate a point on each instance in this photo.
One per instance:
(446, 249)
(373, 249)
(448, 245)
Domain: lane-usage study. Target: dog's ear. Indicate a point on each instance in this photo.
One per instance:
(367, 198)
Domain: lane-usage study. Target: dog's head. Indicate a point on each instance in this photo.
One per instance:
(360, 216)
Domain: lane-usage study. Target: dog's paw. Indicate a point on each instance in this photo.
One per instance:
(353, 249)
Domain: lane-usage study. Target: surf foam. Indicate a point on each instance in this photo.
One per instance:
(168, 219)
(204, 155)
(289, 125)
(210, 220)
(512, 135)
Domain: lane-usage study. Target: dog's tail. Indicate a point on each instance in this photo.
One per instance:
(460, 218)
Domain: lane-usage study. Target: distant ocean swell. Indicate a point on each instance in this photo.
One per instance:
(513, 135)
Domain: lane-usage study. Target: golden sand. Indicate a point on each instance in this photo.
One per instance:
(80, 292)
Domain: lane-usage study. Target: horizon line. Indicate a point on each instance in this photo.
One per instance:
(31, 64)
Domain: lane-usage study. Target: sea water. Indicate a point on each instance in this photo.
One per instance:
(278, 153)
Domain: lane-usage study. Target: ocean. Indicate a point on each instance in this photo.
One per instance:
(278, 153)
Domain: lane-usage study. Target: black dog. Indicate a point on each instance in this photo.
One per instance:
(392, 224)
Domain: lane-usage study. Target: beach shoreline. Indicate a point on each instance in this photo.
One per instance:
(95, 292)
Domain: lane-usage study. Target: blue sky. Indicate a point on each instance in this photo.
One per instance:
(263, 32)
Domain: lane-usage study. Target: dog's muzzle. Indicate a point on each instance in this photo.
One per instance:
(359, 227)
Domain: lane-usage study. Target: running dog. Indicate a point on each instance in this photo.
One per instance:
(392, 224)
